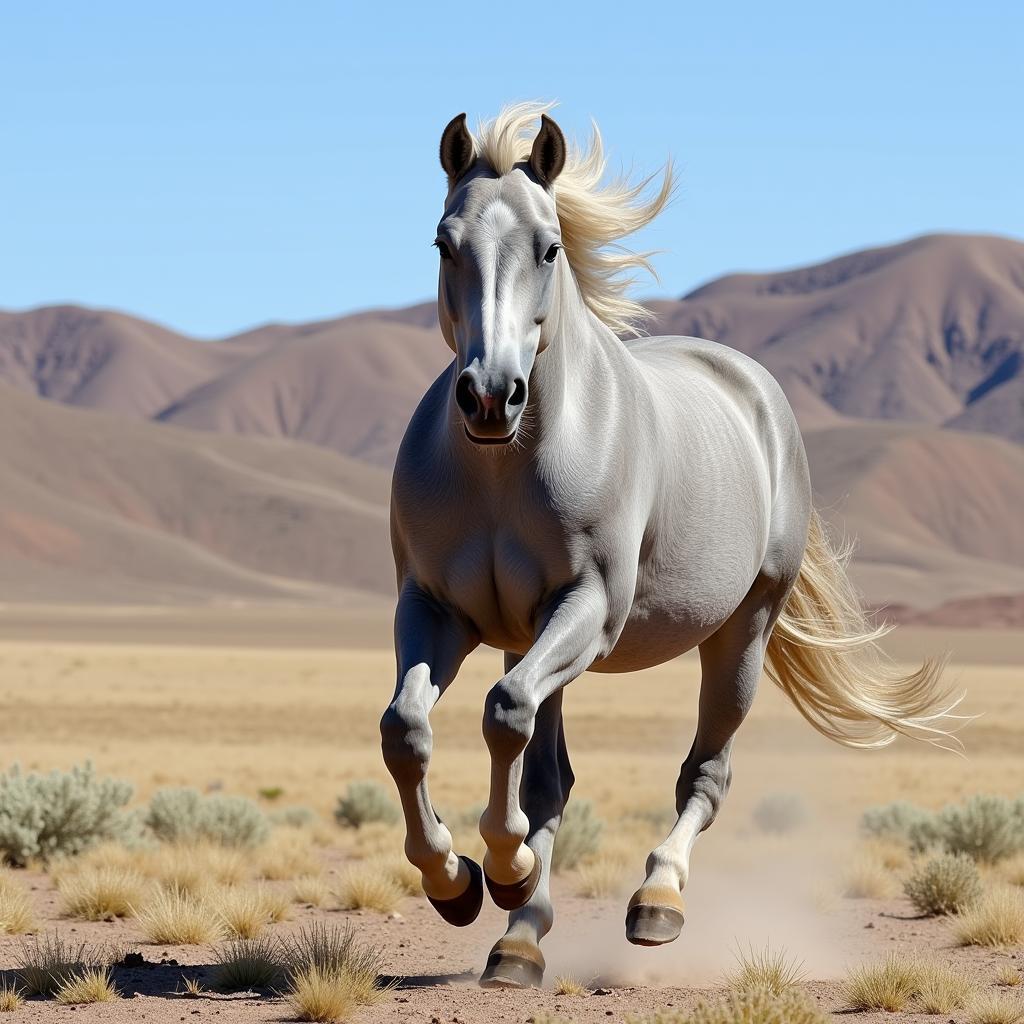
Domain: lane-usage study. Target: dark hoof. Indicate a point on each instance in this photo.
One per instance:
(511, 970)
(648, 925)
(464, 908)
(516, 895)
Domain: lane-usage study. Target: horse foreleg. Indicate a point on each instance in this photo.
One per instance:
(431, 644)
(516, 960)
(731, 663)
(570, 640)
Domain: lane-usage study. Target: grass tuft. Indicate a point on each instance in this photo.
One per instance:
(567, 985)
(889, 984)
(16, 914)
(602, 878)
(367, 886)
(101, 894)
(311, 890)
(995, 1008)
(941, 989)
(316, 994)
(578, 836)
(47, 961)
(768, 969)
(11, 998)
(92, 985)
(756, 1006)
(1009, 976)
(867, 878)
(177, 918)
(244, 964)
(996, 919)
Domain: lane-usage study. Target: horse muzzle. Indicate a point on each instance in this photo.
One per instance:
(491, 406)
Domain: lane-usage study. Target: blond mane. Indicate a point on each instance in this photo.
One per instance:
(593, 215)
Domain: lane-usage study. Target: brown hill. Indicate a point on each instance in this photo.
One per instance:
(93, 511)
(923, 331)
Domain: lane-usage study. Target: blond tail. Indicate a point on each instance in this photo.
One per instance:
(824, 654)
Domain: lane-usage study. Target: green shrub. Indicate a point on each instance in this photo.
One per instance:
(780, 813)
(902, 821)
(944, 885)
(579, 836)
(987, 828)
(61, 814)
(185, 815)
(363, 803)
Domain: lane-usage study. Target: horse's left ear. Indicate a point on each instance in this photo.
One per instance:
(548, 155)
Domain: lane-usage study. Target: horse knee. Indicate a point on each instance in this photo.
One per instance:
(406, 742)
(509, 718)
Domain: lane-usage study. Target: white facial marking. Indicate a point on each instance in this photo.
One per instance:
(494, 222)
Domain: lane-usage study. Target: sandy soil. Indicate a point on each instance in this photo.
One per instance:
(435, 967)
(304, 718)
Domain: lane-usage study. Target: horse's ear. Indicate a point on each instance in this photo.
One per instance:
(548, 155)
(456, 149)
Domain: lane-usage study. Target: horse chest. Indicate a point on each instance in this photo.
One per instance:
(498, 579)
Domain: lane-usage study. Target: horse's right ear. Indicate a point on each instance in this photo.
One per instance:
(456, 149)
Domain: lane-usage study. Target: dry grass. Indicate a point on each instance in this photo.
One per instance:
(246, 911)
(944, 884)
(93, 985)
(102, 893)
(368, 887)
(287, 854)
(1009, 976)
(567, 985)
(311, 890)
(941, 989)
(317, 994)
(756, 1006)
(173, 917)
(193, 867)
(16, 914)
(405, 875)
(768, 969)
(997, 919)
(887, 985)
(49, 960)
(245, 964)
(1011, 870)
(867, 878)
(602, 878)
(995, 1008)
(192, 987)
(11, 998)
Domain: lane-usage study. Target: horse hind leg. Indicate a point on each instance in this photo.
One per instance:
(516, 960)
(731, 664)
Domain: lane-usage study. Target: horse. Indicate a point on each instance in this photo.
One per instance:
(587, 503)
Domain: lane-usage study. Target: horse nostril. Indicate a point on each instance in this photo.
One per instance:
(518, 395)
(465, 395)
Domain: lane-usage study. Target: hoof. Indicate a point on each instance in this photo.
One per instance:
(463, 909)
(516, 895)
(518, 967)
(650, 923)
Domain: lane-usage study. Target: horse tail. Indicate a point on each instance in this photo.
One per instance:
(825, 656)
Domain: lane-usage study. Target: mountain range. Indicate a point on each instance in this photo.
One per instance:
(138, 465)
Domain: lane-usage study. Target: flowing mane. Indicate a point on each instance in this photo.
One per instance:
(593, 215)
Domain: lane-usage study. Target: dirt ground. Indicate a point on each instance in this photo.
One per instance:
(302, 716)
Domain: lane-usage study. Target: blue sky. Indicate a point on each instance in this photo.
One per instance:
(217, 165)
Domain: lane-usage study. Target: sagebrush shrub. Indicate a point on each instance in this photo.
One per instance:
(578, 836)
(295, 816)
(901, 820)
(987, 828)
(186, 815)
(61, 814)
(943, 885)
(363, 803)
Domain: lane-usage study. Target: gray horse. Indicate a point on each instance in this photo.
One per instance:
(582, 503)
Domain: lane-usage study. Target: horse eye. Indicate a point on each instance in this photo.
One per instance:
(442, 248)
(552, 253)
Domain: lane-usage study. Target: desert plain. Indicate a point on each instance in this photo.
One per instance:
(281, 705)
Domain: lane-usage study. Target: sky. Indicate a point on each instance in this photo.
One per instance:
(213, 166)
